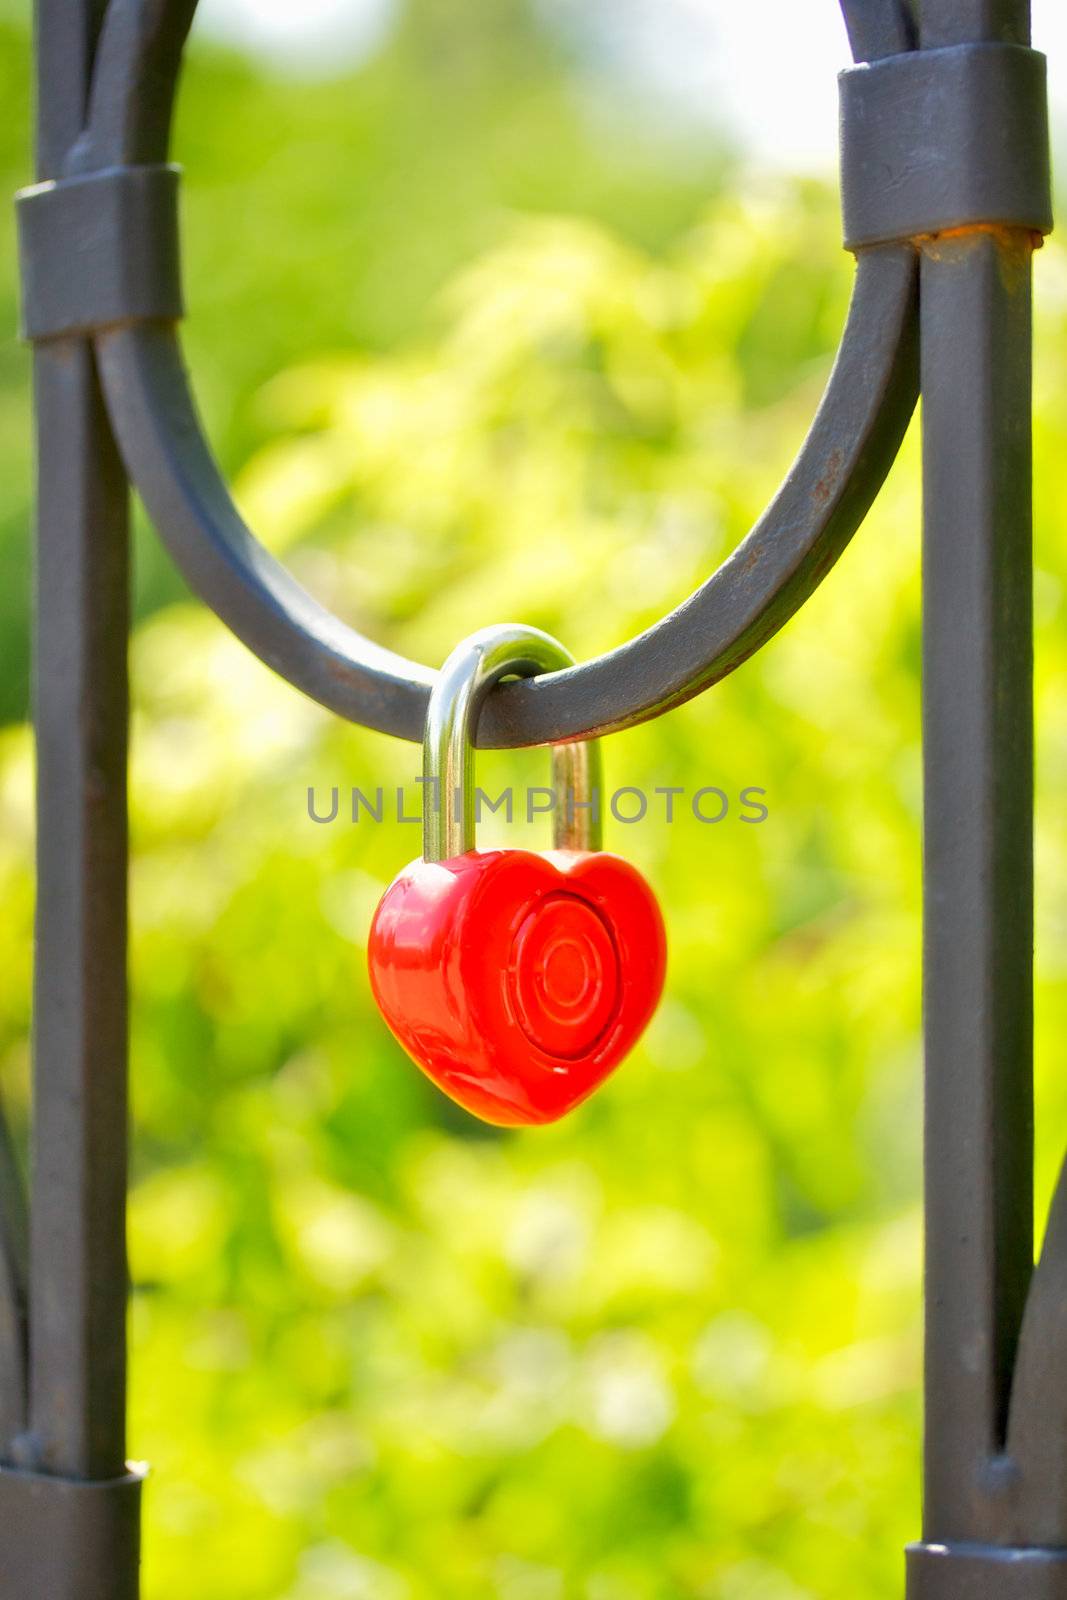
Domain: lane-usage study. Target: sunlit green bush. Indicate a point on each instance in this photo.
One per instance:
(669, 1348)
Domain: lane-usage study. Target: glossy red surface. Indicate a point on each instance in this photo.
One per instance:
(518, 981)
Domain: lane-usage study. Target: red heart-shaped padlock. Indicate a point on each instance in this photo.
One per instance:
(516, 981)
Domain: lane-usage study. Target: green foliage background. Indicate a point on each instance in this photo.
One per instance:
(477, 339)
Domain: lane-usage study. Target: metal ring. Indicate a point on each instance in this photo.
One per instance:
(456, 700)
(841, 465)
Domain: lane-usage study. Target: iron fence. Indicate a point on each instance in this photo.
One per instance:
(945, 188)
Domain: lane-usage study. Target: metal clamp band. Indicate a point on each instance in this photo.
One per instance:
(99, 250)
(69, 1539)
(985, 1572)
(940, 139)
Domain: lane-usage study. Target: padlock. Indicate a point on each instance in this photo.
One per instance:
(516, 980)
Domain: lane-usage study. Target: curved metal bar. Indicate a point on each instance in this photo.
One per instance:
(14, 1232)
(879, 28)
(135, 82)
(841, 465)
(1037, 1418)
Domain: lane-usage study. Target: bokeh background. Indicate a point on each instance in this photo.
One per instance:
(515, 310)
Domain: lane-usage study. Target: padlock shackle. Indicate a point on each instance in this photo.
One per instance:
(507, 650)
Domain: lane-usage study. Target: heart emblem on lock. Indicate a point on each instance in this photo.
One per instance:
(517, 981)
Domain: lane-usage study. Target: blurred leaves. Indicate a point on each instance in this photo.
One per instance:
(670, 1347)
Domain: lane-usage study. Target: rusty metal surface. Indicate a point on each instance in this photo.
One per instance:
(940, 139)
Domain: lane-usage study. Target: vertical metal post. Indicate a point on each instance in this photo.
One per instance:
(68, 1509)
(978, 743)
(78, 1275)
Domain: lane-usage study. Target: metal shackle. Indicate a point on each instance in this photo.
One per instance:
(507, 650)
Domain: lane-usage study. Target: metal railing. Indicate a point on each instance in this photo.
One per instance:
(946, 192)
